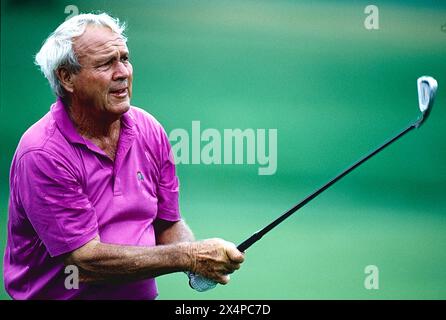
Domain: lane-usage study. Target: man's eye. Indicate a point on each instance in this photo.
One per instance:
(105, 64)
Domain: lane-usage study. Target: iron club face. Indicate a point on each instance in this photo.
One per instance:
(427, 88)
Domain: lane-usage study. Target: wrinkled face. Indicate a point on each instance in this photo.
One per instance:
(104, 83)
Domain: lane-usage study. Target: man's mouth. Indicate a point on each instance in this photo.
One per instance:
(120, 93)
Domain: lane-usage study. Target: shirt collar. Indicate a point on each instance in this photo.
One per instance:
(64, 123)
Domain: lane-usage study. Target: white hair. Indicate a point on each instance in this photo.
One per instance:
(57, 50)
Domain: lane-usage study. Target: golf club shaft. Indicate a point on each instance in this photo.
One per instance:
(259, 234)
(427, 87)
(201, 283)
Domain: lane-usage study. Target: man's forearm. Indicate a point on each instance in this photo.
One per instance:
(106, 262)
(175, 251)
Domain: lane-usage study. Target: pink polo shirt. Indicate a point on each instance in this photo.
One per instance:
(64, 191)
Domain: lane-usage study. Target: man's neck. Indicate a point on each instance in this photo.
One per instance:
(102, 130)
(94, 126)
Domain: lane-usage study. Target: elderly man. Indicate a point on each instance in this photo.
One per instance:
(92, 183)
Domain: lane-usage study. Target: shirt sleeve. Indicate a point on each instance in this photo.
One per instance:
(54, 202)
(168, 187)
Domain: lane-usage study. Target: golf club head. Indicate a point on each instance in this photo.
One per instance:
(427, 88)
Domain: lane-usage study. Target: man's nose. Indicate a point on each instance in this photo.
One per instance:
(121, 71)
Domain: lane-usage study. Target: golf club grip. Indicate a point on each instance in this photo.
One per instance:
(200, 283)
(249, 242)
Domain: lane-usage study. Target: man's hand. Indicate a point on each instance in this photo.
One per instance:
(215, 259)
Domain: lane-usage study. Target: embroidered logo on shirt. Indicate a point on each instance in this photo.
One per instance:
(140, 176)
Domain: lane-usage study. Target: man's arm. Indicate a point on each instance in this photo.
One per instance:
(168, 232)
(101, 262)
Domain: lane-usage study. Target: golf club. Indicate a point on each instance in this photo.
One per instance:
(427, 87)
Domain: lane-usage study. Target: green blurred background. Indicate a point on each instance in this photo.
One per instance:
(334, 91)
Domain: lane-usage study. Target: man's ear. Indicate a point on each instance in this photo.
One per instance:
(66, 79)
